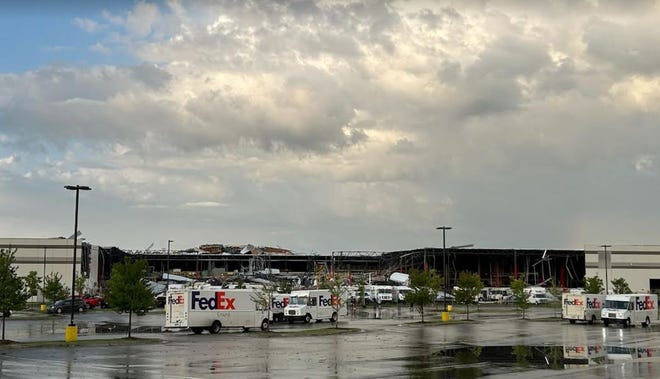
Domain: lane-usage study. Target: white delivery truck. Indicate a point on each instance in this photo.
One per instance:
(581, 307)
(277, 305)
(630, 309)
(308, 305)
(213, 308)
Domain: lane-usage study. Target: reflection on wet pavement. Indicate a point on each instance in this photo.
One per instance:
(391, 343)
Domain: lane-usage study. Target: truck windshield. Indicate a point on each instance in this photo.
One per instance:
(299, 300)
(616, 304)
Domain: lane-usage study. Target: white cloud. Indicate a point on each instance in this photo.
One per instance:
(202, 204)
(7, 160)
(365, 123)
(100, 48)
(86, 24)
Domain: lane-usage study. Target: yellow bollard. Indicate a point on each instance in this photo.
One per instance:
(450, 307)
(43, 307)
(445, 316)
(71, 333)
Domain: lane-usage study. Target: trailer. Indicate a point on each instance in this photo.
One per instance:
(581, 307)
(213, 308)
(308, 305)
(630, 309)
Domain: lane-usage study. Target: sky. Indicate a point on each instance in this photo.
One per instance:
(331, 125)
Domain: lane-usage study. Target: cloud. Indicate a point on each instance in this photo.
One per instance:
(329, 125)
(100, 48)
(202, 204)
(86, 24)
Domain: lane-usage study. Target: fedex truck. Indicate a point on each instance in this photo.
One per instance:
(581, 307)
(630, 309)
(213, 308)
(308, 305)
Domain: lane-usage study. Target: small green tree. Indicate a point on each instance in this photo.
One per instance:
(593, 284)
(338, 293)
(519, 295)
(128, 290)
(80, 285)
(32, 282)
(264, 298)
(14, 294)
(620, 286)
(53, 288)
(556, 292)
(424, 289)
(469, 286)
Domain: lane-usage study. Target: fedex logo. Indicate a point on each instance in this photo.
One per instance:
(328, 302)
(219, 301)
(593, 303)
(575, 301)
(574, 349)
(175, 300)
(644, 304)
(280, 304)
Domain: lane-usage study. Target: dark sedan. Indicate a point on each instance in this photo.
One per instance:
(64, 306)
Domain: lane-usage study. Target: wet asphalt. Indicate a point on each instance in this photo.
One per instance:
(386, 342)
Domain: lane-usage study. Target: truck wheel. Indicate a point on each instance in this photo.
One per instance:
(264, 324)
(647, 324)
(197, 330)
(215, 327)
(334, 317)
(626, 323)
(571, 321)
(308, 318)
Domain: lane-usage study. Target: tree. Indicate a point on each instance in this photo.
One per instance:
(519, 295)
(469, 286)
(128, 290)
(556, 292)
(337, 292)
(264, 298)
(32, 282)
(425, 286)
(53, 288)
(593, 284)
(14, 294)
(80, 285)
(620, 285)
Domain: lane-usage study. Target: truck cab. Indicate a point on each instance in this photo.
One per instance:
(630, 309)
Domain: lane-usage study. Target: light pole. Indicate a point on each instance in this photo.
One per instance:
(167, 286)
(607, 286)
(72, 331)
(444, 263)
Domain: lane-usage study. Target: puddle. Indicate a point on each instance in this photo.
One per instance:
(116, 327)
(479, 361)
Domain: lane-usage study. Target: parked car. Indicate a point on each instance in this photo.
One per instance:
(539, 298)
(63, 306)
(441, 297)
(160, 300)
(94, 301)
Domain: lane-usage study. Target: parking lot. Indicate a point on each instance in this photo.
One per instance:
(389, 341)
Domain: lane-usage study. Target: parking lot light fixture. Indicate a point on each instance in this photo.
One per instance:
(607, 286)
(72, 331)
(167, 286)
(444, 264)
